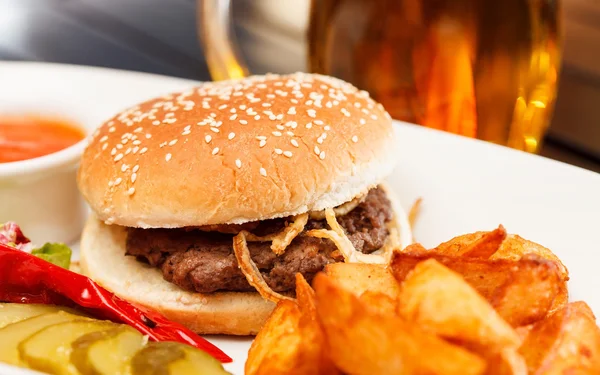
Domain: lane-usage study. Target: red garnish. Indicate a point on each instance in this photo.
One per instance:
(25, 278)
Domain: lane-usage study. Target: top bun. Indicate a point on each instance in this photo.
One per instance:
(237, 151)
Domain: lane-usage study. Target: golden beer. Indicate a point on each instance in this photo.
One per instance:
(481, 68)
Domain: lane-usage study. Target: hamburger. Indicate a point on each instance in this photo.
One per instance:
(207, 202)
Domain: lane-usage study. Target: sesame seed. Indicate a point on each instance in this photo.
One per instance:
(216, 130)
(137, 142)
(322, 155)
(362, 121)
(272, 117)
(294, 143)
(128, 151)
(287, 153)
(207, 138)
(327, 128)
(261, 137)
(136, 168)
(311, 113)
(104, 146)
(318, 122)
(291, 134)
(257, 117)
(317, 151)
(232, 110)
(263, 172)
(155, 122)
(354, 139)
(291, 111)
(308, 102)
(357, 104)
(270, 96)
(131, 191)
(309, 125)
(280, 117)
(168, 157)
(118, 157)
(148, 136)
(215, 151)
(277, 134)
(143, 150)
(295, 101)
(262, 143)
(328, 105)
(103, 139)
(186, 132)
(172, 142)
(242, 107)
(238, 163)
(133, 177)
(345, 112)
(118, 181)
(231, 135)
(374, 117)
(223, 106)
(243, 122)
(124, 167)
(111, 129)
(320, 140)
(266, 104)
(213, 115)
(278, 151)
(233, 117)
(280, 127)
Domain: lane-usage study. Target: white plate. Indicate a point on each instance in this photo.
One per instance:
(466, 185)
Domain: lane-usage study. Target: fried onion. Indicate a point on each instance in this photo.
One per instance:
(281, 240)
(340, 210)
(251, 271)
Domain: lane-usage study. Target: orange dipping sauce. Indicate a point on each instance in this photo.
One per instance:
(28, 137)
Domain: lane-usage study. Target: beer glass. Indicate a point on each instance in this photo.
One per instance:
(486, 69)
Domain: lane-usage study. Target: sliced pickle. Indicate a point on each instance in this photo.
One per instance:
(170, 358)
(15, 312)
(49, 349)
(106, 352)
(13, 334)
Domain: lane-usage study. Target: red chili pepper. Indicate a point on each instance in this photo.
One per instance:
(25, 278)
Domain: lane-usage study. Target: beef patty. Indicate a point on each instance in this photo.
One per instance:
(204, 262)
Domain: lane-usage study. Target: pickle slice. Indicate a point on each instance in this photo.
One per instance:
(49, 349)
(15, 312)
(106, 352)
(13, 334)
(166, 358)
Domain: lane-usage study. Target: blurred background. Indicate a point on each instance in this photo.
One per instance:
(164, 37)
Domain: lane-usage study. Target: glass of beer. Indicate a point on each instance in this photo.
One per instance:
(482, 69)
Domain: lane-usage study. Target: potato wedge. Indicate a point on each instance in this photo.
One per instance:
(515, 247)
(362, 277)
(529, 293)
(276, 348)
(497, 280)
(379, 302)
(314, 358)
(362, 342)
(567, 342)
(475, 245)
(506, 362)
(438, 299)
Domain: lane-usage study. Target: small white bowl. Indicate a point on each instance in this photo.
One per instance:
(41, 195)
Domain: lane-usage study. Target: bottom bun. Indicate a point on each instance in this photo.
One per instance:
(103, 260)
(232, 313)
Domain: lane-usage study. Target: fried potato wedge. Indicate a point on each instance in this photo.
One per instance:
(499, 281)
(362, 342)
(438, 299)
(567, 342)
(379, 302)
(515, 247)
(362, 277)
(475, 245)
(314, 358)
(276, 348)
(530, 291)
(506, 362)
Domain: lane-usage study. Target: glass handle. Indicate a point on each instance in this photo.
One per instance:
(218, 40)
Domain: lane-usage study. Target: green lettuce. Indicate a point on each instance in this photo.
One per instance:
(55, 253)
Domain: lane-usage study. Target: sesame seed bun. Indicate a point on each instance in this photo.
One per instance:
(234, 313)
(237, 151)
